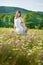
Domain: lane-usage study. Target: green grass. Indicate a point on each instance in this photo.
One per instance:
(21, 49)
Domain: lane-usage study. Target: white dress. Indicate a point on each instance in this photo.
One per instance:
(19, 29)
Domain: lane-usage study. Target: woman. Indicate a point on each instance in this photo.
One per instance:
(19, 25)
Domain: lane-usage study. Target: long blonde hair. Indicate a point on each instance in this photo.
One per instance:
(16, 16)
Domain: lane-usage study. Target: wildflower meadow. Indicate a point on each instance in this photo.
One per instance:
(21, 49)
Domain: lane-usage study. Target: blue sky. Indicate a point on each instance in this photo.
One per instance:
(35, 5)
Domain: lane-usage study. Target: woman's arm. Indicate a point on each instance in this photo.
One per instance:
(22, 23)
(14, 24)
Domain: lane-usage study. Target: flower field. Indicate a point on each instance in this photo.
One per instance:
(21, 49)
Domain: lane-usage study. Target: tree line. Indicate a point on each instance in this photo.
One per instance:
(32, 20)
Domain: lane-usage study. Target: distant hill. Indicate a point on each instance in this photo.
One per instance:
(11, 10)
